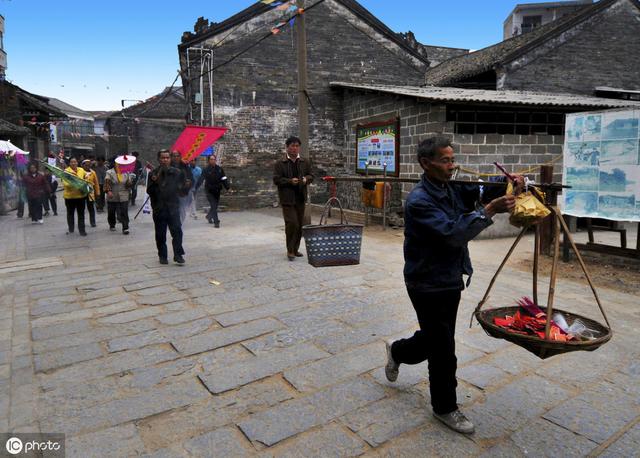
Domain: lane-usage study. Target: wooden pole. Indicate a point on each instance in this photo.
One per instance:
(546, 229)
(582, 264)
(554, 270)
(303, 106)
(536, 259)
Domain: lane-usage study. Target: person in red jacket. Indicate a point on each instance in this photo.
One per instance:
(37, 189)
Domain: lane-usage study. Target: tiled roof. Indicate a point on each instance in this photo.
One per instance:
(70, 110)
(483, 60)
(453, 94)
(259, 8)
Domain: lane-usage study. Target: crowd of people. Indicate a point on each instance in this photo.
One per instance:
(114, 185)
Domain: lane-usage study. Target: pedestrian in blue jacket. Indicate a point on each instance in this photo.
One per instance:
(440, 219)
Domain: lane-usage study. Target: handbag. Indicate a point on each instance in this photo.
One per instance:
(333, 244)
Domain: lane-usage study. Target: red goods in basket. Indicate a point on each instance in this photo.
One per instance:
(531, 320)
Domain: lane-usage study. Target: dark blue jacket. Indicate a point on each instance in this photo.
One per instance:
(439, 221)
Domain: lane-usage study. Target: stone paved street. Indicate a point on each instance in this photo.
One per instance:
(242, 353)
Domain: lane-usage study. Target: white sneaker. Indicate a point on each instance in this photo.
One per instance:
(457, 421)
(392, 368)
(40, 221)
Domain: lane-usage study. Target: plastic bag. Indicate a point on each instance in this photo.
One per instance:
(528, 211)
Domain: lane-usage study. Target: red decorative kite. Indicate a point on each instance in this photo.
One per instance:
(195, 139)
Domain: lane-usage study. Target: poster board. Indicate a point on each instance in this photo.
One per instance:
(602, 165)
(378, 143)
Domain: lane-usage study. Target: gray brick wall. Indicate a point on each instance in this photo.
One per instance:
(602, 51)
(340, 48)
(419, 120)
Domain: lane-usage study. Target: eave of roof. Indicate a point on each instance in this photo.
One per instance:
(39, 104)
(462, 67)
(69, 110)
(483, 96)
(7, 127)
(259, 8)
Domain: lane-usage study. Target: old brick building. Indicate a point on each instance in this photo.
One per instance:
(255, 95)
(596, 46)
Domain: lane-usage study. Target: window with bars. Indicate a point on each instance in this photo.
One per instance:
(504, 121)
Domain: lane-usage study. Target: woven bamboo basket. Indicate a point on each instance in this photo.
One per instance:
(541, 347)
(546, 347)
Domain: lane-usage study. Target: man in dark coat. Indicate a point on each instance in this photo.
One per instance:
(440, 219)
(214, 179)
(292, 175)
(165, 185)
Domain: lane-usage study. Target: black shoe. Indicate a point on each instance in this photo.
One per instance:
(216, 224)
(178, 259)
(298, 254)
(46, 213)
(55, 213)
(210, 220)
(84, 234)
(291, 256)
(112, 229)
(93, 224)
(125, 231)
(164, 261)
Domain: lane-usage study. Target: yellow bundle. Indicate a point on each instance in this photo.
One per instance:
(529, 210)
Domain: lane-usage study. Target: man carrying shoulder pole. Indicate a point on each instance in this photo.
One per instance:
(440, 219)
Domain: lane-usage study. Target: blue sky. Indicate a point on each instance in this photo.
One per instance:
(94, 54)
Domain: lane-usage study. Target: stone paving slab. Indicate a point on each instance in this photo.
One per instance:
(127, 409)
(627, 445)
(117, 441)
(264, 365)
(596, 414)
(309, 411)
(331, 441)
(225, 336)
(328, 371)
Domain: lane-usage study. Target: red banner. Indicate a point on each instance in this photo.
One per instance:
(195, 139)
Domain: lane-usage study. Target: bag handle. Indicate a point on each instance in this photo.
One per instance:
(327, 206)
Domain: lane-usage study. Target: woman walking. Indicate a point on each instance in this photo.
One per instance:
(117, 184)
(92, 178)
(37, 189)
(74, 199)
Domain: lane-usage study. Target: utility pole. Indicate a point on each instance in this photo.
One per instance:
(303, 106)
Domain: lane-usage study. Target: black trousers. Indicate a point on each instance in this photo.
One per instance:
(118, 212)
(91, 208)
(435, 342)
(214, 200)
(49, 203)
(134, 193)
(100, 198)
(35, 208)
(293, 221)
(75, 206)
(170, 219)
(20, 212)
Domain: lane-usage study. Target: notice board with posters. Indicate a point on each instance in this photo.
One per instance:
(602, 165)
(378, 143)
